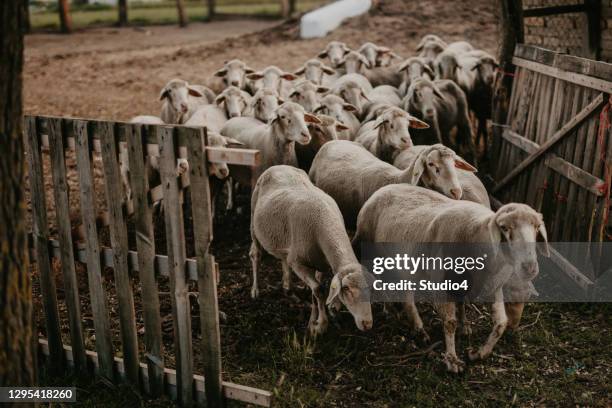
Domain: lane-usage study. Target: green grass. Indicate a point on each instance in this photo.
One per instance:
(160, 13)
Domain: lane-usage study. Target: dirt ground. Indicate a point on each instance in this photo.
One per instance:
(561, 356)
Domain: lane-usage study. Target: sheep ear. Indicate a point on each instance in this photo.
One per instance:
(463, 165)
(364, 96)
(328, 70)
(194, 92)
(294, 93)
(334, 290)
(312, 119)
(229, 142)
(220, 99)
(417, 169)
(289, 77)
(322, 54)
(380, 122)
(474, 68)
(417, 123)
(349, 107)
(495, 235)
(322, 89)
(404, 66)
(300, 71)
(542, 232)
(345, 48)
(248, 70)
(365, 61)
(383, 50)
(438, 93)
(165, 93)
(221, 73)
(342, 63)
(319, 109)
(340, 127)
(280, 100)
(255, 76)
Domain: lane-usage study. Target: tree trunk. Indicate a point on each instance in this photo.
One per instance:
(284, 5)
(511, 33)
(27, 27)
(182, 18)
(211, 9)
(123, 13)
(65, 18)
(292, 7)
(17, 362)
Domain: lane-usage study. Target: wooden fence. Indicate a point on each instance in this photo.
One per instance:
(142, 365)
(555, 151)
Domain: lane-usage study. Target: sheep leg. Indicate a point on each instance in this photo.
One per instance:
(514, 310)
(448, 314)
(286, 277)
(255, 255)
(318, 317)
(466, 327)
(464, 137)
(415, 318)
(229, 184)
(500, 321)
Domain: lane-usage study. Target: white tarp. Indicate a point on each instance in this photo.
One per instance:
(321, 21)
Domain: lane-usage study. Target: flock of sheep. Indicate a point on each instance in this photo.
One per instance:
(362, 143)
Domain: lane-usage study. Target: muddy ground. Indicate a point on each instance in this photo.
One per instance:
(561, 356)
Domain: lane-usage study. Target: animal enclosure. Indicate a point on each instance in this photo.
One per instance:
(555, 150)
(136, 263)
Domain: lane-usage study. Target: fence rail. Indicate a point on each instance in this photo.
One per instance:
(142, 361)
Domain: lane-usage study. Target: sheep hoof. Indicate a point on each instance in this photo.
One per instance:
(453, 364)
(474, 354)
(254, 292)
(286, 287)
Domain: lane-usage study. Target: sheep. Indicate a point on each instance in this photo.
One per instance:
(320, 134)
(429, 50)
(316, 71)
(210, 116)
(389, 133)
(147, 120)
(263, 104)
(438, 168)
(353, 88)
(430, 38)
(234, 73)
(272, 77)
(385, 94)
(474, 72)
(301, 226)
(353, 62)
(235, 101)
(412, 69)
(459, 47)
(443, 106)
(380, 71)
(376, 55)
(343, 112)
(180, 100)
(276, 140)
(350, 174)
(335, 51)
(411, 214)
(306, 94)
(388, 75)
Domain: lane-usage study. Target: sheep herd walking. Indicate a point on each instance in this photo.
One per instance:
(362, 140)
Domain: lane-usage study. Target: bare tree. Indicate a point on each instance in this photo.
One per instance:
(65, 18)
(180, 7)
(123, 13)
(17, 362)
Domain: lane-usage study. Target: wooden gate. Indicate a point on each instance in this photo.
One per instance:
(142, 361)
(554, 152)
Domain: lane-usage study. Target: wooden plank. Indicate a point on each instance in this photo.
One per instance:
(145, 245)
(40, 231)
(555, 138)
(92, 250)
(575, 78)
(207, 285)
(175, 238)
(534, 53)
(119, 243)
(62, 214)
(231, 390)
(554, 10)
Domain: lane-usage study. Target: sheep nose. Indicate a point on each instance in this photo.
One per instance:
(367, 324)
(429, 112)
(184, 107)
(235, 83)
(234, 115)
(224, 172)
(405, 140)
(530, 269)
(456, 193)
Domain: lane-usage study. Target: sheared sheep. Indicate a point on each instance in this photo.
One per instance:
(272, 77)
(234, 73)
(377, 56)
(335, 51)
(317, 72)
(353, 88)
(263, 104)
(180, 100)
(412, 69)
(234, 101)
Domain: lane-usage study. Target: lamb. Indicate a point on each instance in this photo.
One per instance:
(335, 51)
(276, 140)
(413, 68)
(180, 100)
(271, 77)
(235, 101)
(353, 88)
(389, 133)
(306, 94)
(320, 134)
(443, 106)
(438, 168)
(376, 55)
(343, 112)
(316, 71)
(410, 214)
(263, 104)
(301, 226)
(350, 175)
(234, 73)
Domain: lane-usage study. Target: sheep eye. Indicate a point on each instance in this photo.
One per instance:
(431, 164)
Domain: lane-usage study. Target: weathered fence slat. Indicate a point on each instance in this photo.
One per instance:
(175, 238)
(119, 242)
(97, 293)
(145, 245)
(207, 285)
(40, 230)
(560, 134)
(62, 211)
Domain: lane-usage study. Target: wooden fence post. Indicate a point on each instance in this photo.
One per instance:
(285, 9)
(211, 9)
(123, 13)
(182, 18)
(65, 18)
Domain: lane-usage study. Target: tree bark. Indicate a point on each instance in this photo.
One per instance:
(17, 362)
(211, 9)
(123, 13)
(511, 33)
(292, 7)
(65, 18)
(284, 5)
(182, 17)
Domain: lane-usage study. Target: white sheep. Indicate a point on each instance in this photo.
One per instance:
(301, 226)
(147, 120)
(429, 49)
(410, 214)
(353, 62)
(388, 133)
(377, 56)
(180, 100)
(385, 94)
(210, 116)
(319, 135)
(317, 72)
(412, 69)
(234, 73)
(234, 101)
(343, 112)
(263, 104)
(353, 88)
(335, 51)
(307, 94)
(272, 77)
